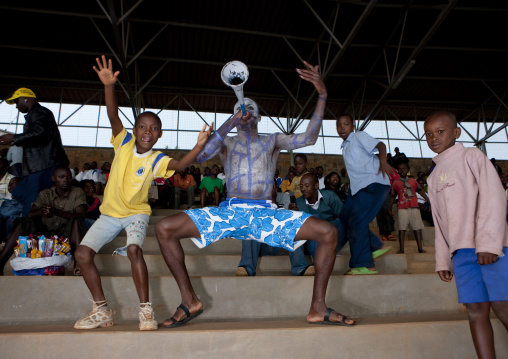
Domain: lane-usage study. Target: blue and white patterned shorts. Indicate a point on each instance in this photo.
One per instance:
(275, 227)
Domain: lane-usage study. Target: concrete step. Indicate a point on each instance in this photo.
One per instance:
(226, 265)
(419, 337)
(46, 300)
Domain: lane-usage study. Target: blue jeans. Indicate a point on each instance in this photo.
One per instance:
(358, 211)
(27, 190)
(251, 250)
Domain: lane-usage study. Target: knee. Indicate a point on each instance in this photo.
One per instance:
(84, 255)
(134, 252)
(478, 311)
(501, 310)
(163, 229)
(330, 233)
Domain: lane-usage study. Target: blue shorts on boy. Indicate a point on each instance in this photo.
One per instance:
(480, 283)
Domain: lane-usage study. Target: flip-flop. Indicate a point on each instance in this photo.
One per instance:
(76, 271)
(327, 321)
(381, 252)
(188, 317)
(361, 271)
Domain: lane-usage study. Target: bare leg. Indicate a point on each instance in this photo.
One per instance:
(325, 234)
(84, 257)
(204, 193)
(419, 241)
(169, 232)
(481, 329)
(501, 310)
(9, 247)
(216, 196)
(402, 236)
(139, 272)
(75, 240)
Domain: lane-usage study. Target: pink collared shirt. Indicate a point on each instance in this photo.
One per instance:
(467, 204)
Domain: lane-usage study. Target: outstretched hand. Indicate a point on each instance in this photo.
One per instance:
(204, 134)
(105, 71)
(385, 168)
(311, 74)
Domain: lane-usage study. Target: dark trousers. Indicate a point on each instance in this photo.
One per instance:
(385, 222)
(358, 211)
(28, 188)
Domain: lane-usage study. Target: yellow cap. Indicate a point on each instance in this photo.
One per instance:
(21, 92)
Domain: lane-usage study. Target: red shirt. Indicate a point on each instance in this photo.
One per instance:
(405, 201)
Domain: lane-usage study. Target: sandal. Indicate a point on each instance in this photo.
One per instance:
(188, 317)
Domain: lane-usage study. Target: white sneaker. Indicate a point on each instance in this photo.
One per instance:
(146, 317)
(96, 318)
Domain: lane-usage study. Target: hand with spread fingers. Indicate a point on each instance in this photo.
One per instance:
(311, 74)
(105, 71)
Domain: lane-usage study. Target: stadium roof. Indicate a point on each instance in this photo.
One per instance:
(392, 59)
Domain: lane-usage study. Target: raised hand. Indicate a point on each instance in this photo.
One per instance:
(105, 71)
(204, 134)
(311, 74)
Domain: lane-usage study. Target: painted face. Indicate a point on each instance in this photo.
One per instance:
(62, 178)
(345, 126)
(441, 133)
(403, 170)
(251, 107)
(308, 186)
(147, 131)
(300, 165)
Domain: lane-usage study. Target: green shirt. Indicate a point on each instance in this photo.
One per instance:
(210, 183)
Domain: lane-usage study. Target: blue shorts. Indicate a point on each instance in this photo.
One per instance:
(275, 227)
(476, 283)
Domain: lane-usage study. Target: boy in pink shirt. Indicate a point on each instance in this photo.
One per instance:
(471, 231)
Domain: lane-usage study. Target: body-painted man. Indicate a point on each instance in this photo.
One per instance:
(249, 162)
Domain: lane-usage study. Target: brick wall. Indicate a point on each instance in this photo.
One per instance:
(79, 155)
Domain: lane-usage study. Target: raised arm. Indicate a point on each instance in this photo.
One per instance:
(216, 140)
(203, 138)
(109, 79)
(310, 136)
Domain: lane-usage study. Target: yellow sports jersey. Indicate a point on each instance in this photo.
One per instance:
(130, 177)
(295, 185)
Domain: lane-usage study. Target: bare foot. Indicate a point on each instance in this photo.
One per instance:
(400, 252)
(335, 317)
(179, 315)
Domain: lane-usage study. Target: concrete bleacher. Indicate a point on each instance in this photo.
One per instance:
(404, 312)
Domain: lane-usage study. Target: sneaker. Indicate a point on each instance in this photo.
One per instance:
(96, 318)
(146, 317)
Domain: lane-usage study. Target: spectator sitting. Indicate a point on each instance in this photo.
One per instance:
(291, 169)
(15, 158)
(58, 210)
(301, 169)
(197, 177)
(286, 184)
(321, 178)
(211, 186)
(87, 173)
(332, 183)
(222, 175)
(93, 204)
(5, 177)
(103, 178)
(405, 188)
(206, 173)
(184, 181)
(10, 209)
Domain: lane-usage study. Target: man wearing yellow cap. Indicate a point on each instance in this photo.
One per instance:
(42, 147)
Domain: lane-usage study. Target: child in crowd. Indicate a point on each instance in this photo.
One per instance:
(469, 212)
(125, 203)
(332, 183)
(369, 187)
(301, 169)
(211, 187)
(405, 189)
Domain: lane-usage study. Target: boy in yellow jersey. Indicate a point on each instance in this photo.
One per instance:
(125, 204)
